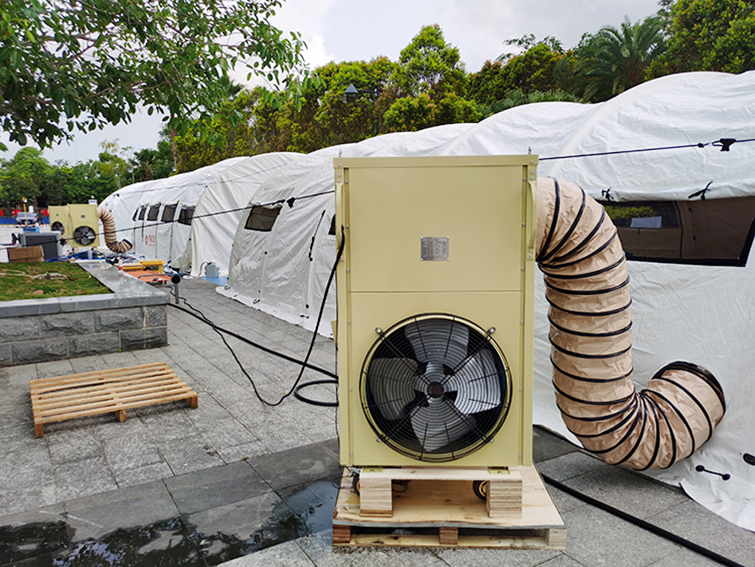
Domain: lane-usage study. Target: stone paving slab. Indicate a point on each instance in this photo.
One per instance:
(172, 481)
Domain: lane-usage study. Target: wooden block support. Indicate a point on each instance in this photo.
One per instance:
(505, 496)
(341, 535)
(106, 391)
(376, 497)
(555, 538)
(449, 536)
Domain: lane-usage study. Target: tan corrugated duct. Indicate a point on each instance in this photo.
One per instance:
(587, 287)
(108, 224)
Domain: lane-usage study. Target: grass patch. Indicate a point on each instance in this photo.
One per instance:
(46, 279)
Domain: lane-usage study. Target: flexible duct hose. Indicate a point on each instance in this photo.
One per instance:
(587, 287)
(108, 223)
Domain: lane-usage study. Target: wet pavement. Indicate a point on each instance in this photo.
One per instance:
(237, 482)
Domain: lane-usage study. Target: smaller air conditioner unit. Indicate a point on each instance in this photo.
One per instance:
(79, 224)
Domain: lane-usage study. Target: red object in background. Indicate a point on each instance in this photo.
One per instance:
(44, 213)
(16, 211)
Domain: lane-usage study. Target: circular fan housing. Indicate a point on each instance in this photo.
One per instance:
(435, 387)
(58, 227)
(84, 235)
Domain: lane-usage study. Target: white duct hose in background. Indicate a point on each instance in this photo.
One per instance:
(587, 287)
(108, 224)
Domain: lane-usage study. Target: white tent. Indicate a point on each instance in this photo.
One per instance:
(301, 241)
(189, 220)
(698, 313)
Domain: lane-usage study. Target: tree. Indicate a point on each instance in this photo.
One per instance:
(519, 98)
(409, 114)
(429, 65)
(709, 35)
(24, 176)
(70, 65)
(616, 59)
(150, 164)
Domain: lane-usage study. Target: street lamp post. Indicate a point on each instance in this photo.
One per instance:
(353, 92)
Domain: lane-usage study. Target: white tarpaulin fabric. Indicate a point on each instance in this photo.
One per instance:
(702, 314)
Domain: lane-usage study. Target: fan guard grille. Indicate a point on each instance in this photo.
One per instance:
(435, 387)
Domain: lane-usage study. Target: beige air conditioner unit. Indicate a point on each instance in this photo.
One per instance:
(435, 310)
(79, 224)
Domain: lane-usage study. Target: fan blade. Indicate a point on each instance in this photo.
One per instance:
(438, 340)
(477, 385)
(393, 382)
(438, 425)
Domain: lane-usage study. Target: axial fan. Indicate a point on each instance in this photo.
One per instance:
(57, 226)
(84, 235)
(435, 388)
(439, 252)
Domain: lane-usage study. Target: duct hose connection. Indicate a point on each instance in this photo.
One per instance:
(587, 287)
(108, 224)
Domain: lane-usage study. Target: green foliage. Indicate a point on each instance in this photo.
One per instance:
(616, 59)
(429, 65)
(70, 65)
(533, 70)
(709, 35)
(23, 176)
(409, 114)
(519, 98)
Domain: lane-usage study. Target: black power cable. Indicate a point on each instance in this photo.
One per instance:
(642, 523)
(304, 364)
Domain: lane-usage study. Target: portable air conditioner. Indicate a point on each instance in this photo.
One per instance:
(435, 310)
(78, 223)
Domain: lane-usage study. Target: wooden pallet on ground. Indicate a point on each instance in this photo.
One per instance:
(104, 391)
(433, 513)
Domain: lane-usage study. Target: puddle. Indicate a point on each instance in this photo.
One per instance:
(175, 542)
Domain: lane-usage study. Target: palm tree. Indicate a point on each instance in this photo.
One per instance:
(614, 60)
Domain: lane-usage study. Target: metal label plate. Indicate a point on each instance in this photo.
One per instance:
(434, 248)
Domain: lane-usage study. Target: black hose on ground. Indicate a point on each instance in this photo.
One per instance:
(704, 551)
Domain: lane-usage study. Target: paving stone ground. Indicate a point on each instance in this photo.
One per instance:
(243, 484)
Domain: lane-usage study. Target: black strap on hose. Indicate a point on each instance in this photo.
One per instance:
(642, 523)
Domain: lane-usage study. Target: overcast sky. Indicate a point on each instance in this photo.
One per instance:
(349, 30)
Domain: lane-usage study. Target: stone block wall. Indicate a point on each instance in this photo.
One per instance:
(133, 317)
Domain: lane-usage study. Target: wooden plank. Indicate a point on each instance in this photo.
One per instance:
(91, 393)
(57, 384)
(468, 541)
(100, 373)
(439, 473)
(108, 409)
(108, 394)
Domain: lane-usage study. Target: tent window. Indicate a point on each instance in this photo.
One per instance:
(169, 212)
(141, 212)
(154, 210)
(136, 214)
(710, 232)
(186, 214)
(332, 229)
(262, 218)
